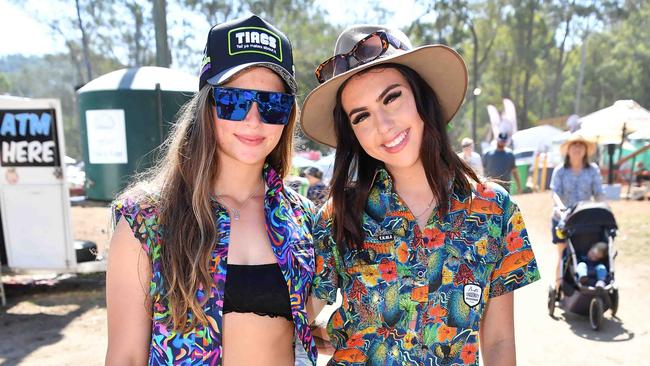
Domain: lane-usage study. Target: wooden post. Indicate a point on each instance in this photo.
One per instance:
(543, 182)
(3, 298)
(536, 173)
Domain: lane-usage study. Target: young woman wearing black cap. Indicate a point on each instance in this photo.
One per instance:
(426, 255)
(212, 257)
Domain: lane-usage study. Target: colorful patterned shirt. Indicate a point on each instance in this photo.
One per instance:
(416, 297)
(317, 194)
(289, 219)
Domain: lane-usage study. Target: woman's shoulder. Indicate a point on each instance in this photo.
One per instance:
(492, 193)
(487, 190)
(138, 206)
(137, 199)
(559, 169)
(593, 167)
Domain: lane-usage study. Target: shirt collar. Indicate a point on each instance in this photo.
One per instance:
(382, 189)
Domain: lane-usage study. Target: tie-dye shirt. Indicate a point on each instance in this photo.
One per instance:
(288, 224)
(416, 297)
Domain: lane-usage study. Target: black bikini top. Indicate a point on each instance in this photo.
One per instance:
(259, 289)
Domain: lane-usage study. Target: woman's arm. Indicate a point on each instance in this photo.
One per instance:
(558, 201)
(314, 307)
(556, 187)
(127, 300)
(497, 332)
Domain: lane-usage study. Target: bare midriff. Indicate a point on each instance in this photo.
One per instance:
(251, 339)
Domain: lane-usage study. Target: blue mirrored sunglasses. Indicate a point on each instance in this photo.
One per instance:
(233, 104)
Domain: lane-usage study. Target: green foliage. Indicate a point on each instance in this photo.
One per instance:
(5, 84)
(529, 51)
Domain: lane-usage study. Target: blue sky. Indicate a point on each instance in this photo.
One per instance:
(21, 33)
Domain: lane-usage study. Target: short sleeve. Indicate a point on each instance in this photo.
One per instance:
(141, 218)
(556, 184)
(517, 266)
(325, 281)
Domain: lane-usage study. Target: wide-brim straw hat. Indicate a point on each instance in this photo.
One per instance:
(440, 66)
(576, 137)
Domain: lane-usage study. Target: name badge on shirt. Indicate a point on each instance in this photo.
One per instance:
(385, 237)
(472, 294)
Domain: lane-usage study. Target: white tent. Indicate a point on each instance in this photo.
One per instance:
(537, 138)
(643, 134)
(606, 125)
(301, 162)
(326, 165)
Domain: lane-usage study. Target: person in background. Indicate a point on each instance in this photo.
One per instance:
(641, 174)
(574, 181)
(296, 180)
(469, 156)
(211, 260)
(499, 164)
(317, 191)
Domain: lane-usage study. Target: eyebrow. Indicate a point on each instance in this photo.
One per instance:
(361, 109)
(389, 88)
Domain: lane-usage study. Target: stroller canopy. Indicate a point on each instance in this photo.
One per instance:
(588, 215)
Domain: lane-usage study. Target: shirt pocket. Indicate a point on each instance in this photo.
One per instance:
(466, 283)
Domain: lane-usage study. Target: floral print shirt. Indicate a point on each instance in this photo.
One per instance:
(289, 219)
(416, 296)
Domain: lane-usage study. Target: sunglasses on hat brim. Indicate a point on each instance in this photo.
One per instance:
(233, 104)
(366, 50)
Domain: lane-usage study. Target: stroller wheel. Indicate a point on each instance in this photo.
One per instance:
(551, 300)
(596, 313)
(614, 299)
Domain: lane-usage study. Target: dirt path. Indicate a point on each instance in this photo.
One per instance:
(569, 339)
(66, 324)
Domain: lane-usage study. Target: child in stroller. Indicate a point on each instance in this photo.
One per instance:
(587, 267)
(593, 262)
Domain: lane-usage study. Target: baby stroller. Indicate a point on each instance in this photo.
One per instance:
(584, 225)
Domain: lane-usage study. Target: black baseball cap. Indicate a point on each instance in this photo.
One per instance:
(243, 43)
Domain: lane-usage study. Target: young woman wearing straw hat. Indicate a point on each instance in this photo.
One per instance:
(212, 259)
(425, 255)
(574, 181)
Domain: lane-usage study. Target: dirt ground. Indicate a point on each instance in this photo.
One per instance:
(62, 320)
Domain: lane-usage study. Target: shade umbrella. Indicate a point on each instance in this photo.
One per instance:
(606, 125)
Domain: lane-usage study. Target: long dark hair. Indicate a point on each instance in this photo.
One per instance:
(349, 196)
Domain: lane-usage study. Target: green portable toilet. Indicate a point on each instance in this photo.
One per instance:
(125, 115)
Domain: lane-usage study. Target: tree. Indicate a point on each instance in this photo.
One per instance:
(5, 84)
